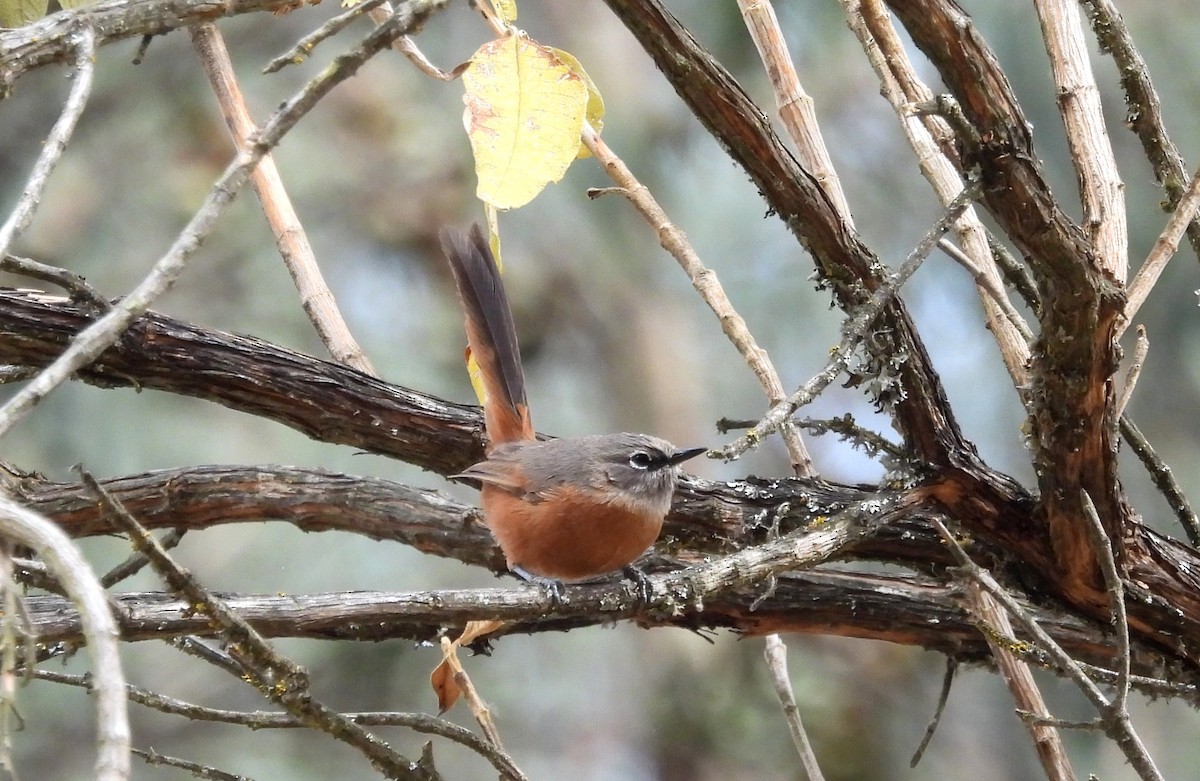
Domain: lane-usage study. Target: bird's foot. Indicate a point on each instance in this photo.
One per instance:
(641, 584)
(551, 586)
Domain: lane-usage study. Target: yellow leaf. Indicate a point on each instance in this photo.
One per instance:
(595, 102)
(14, 13)
(525, 110)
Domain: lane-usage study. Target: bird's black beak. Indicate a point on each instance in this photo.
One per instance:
(679, 456)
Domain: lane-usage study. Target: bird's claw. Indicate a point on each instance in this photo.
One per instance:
(641, 584)
(552, 587)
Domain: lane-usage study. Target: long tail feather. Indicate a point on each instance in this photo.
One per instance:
(490, 334)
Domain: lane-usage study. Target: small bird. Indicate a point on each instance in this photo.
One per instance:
(561, 509)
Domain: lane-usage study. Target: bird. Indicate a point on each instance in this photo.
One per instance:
(562, 510)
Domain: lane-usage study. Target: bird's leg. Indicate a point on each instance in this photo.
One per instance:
(641, 583)
(552, 586)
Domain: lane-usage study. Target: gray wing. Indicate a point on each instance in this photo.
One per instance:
(530, 470)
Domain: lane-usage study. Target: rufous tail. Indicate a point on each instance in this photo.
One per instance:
(490, 333)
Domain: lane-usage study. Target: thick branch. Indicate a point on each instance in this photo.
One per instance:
(708, 518)
(793, 193)
(1073, 422)
(336, 404)
(247, 374)
(902, 609)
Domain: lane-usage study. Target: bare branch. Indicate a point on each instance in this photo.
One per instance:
(274, 676)
(98, 627)
(705, 281)
(843, 260)
(776, 656)
(930, 137)
(1143, 110)
(1047, 743)
(1100, 186)
(1140, 349)
(74, 284)
(304, 47)
(1162, 252)
(1116, 723)
(52, 38)
(418, 722)
(939, 709)
(290, 237)
(96, 338)
(198, 770)
(990, 284)
(83, 42)
(1163, 478)
(854, 332)
(795, 106)
(1116, 591)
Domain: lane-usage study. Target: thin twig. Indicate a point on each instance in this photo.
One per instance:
(1156, 687)
(96, 338)
(795, 106)
(1143, 112)
(56, 142)
(290, 237)
(854, 331)
(1117, 725)
(152, 757)
(418, 722)
(1164, 479)
(1140, 348)
(100, 629)
(1049, 721)
(1161, 253)
(74, 284)
(1116, 593)
(206, 651)
(136, 562)
(406, 46)
(776, 656)
(990, 284)
(1016, 273)
(871, 443)
(479, 707)
(939, 709)
(1100, 187)
(273, 675)
(1047, 742)
(304, 47)
(705, 281)
(929, 135)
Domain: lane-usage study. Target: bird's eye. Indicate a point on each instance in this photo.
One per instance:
(641, 460)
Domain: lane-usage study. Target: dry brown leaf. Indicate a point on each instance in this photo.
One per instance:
(442, 679)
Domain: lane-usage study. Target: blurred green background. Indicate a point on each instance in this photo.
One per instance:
(614, 339)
